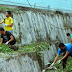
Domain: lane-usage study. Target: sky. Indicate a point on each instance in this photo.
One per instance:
(54, 4)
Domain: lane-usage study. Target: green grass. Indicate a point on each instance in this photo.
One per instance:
(59, 66)
(6, 8)
(35, 46)
(5, 49)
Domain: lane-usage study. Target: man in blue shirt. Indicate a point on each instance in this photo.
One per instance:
(66, 49)
(69, 35)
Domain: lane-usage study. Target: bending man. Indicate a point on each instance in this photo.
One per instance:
(66, 49)
(7, 37)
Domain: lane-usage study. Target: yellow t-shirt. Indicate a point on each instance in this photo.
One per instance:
(8, 21)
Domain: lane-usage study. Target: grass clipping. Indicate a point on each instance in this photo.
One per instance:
(7, 48)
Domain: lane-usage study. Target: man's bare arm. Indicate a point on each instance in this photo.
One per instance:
(10, 25)
(1, 22)
(71, 40)
(56, 58)
(65, 55)
(1, 41)
(11, 39)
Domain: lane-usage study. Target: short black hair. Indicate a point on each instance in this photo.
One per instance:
(67, 34)
(1, 29)
(61, 45)
(9, 12)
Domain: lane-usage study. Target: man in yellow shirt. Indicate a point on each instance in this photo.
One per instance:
(8, 22)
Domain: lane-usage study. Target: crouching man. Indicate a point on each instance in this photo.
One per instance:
(66, 49)
(7, 37)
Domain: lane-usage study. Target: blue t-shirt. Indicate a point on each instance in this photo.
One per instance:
(68, 48)
(71, 35)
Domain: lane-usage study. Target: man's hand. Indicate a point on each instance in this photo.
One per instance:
(6, 43)
(59, 62)
(52, 64)
(0, 43)
(1, 22)
(6, 25)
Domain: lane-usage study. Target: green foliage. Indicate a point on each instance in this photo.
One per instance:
(59, 66)
(6, 8)
(41, 47)
(4, 48)
(35, 46)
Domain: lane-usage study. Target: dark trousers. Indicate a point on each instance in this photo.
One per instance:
(65, 60)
